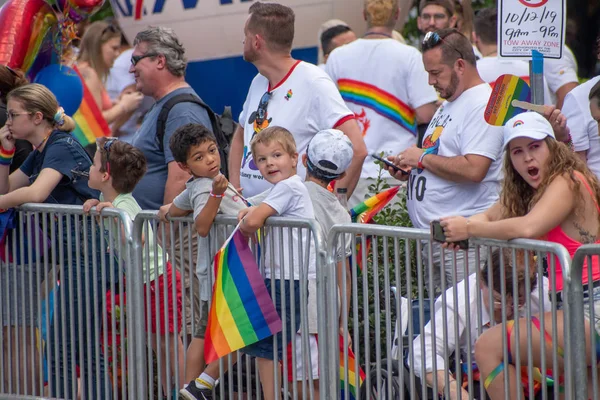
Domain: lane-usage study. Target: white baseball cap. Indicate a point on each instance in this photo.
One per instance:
(330, 152)
(528, 124)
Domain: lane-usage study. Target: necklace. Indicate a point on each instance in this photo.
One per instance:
(42, 142)
(377, 33)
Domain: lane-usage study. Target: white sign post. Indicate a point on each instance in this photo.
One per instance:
(526, 25)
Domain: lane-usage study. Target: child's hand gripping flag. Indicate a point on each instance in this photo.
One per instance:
(241, 311)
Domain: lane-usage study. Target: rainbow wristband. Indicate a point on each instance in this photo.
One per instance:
(6, 156)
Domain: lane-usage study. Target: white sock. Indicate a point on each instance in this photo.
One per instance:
(205, 381)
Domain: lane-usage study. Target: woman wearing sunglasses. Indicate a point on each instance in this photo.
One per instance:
(48, 176)
(465, 311)
(100, 47)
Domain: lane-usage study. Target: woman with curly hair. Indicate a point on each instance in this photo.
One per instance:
(548, 193)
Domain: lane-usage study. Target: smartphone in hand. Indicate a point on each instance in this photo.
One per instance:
(389, 164)
(437, 234)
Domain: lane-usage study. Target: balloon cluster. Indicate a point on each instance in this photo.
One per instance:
(33, 37)
(33, 33)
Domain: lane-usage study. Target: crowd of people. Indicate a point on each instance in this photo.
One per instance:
(303, 130)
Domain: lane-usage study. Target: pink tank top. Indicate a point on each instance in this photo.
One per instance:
(106, 101)
(557, 235)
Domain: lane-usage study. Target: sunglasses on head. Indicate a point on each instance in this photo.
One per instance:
(111, 28)
(432, 39)
(106, 146)
(261, 111)
(138, 58)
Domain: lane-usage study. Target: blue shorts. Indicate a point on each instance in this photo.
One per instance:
(264, 348)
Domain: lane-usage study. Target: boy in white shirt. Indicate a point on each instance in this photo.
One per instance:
(117, 168)
(275, 155)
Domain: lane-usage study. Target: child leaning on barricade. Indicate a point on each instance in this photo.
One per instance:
(475, 307)
(275, 155)
(206, 194)
(327, 157)
(117, 168)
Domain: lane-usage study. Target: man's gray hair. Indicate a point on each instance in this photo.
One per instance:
(165, 42)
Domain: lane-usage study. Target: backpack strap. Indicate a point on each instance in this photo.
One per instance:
(161, 122)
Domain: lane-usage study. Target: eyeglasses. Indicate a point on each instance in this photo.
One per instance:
(137, 59)
(11, 115)
(261, 111)
(432, 39)
(107, 145)
(435, 17)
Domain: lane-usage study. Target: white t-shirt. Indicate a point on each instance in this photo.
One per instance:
(584, 129)
(305, 102)
(491, 68)
(194, 197)
(457, 129)
(382, 81)
(289, 198)
(560, 72)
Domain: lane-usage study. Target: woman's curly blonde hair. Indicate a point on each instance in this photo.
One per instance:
(381, 12)
(518, 197)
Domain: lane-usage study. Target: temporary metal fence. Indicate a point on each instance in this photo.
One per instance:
(400, 326)
(60, 272)
(379, 307)
(584, 331)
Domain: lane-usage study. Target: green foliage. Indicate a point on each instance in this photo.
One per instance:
(374, 296)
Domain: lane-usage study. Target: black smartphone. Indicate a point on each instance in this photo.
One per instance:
(437, 234)
(389, 164)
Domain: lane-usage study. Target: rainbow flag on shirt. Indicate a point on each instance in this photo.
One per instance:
(352, 374)
(90, 122)
(241, 311)
(380, 101)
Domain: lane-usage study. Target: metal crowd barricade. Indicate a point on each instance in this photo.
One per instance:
(402, 324)
(62, 276)
(584, 361)
(183, 248)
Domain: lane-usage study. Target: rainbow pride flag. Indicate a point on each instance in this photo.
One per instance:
(380, 101)
(352, 374)
(90, 122)
(506, 89)
(364, 212)
(241, 311)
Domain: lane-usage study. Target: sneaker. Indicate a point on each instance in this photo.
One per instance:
(193, 392)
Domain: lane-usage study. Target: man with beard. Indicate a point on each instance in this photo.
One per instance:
(289, 93)
(458, 169)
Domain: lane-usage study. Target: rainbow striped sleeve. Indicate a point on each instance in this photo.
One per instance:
(380, 101)
(241, 312)
(90, 122)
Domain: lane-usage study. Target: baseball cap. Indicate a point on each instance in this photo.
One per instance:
(330, 152)
(528, 124)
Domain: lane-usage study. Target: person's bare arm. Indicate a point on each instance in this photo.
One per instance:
(469, 168)
(175, 184)
(253, 218)
(235, 157)
(562, 92)
(37, 192)
(555, 205)
(351, 129)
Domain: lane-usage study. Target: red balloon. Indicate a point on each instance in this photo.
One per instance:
(24, 28)
(85, 8)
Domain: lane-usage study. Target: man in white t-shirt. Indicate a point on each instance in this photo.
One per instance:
(293, 94)
(583, 127)
(561, 75)
(458, 169)
(389, 103)
(489, 66)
